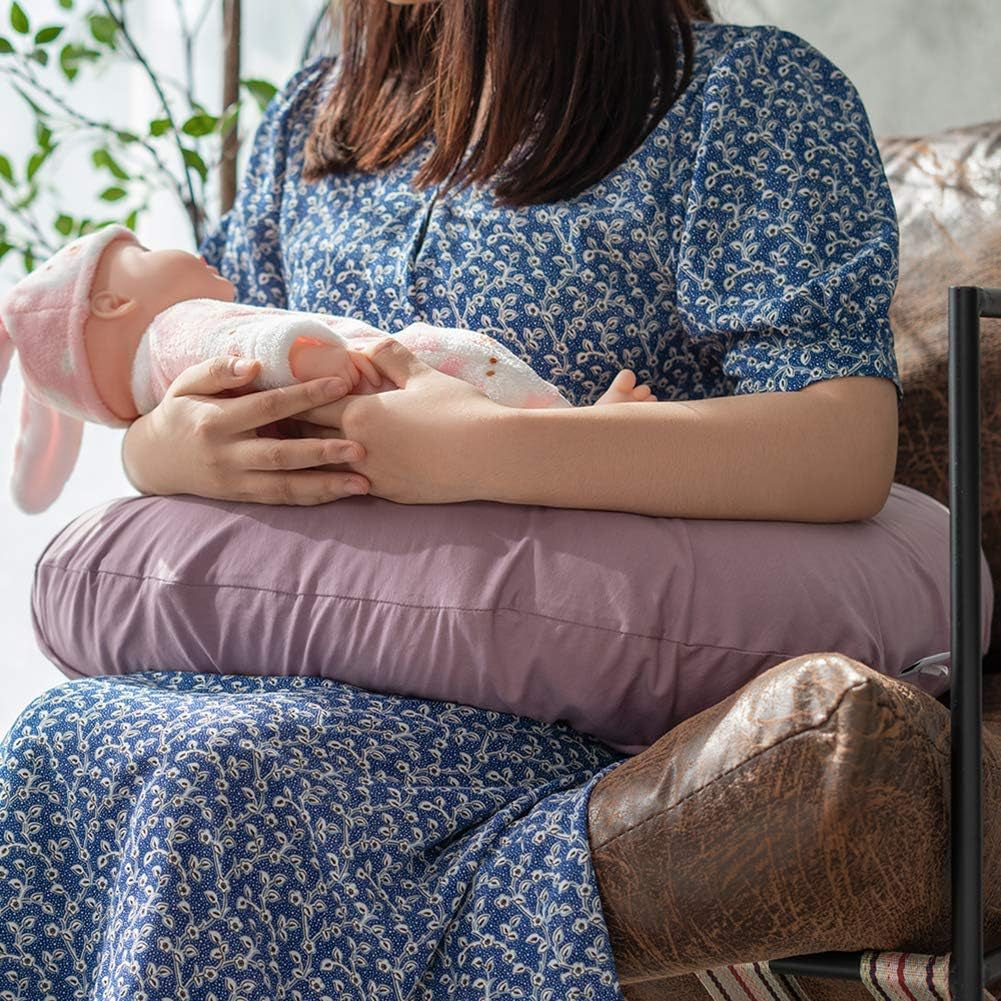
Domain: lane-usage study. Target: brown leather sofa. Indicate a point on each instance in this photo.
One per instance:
(809, 811)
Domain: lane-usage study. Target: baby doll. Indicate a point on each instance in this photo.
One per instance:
(105, 326)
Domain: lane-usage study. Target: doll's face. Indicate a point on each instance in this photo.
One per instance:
(132, 284)
(153, 279)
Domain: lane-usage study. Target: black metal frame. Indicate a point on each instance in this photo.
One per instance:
(969, 968)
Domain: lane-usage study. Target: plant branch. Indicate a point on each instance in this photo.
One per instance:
(191, 204)
(321, 17)
(28, 220)
(188, 40)
(209, 4)
(82, 119)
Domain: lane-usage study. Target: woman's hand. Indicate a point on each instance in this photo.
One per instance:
(424, 441)
(201, 439)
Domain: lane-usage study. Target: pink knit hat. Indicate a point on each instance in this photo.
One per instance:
(44, 316)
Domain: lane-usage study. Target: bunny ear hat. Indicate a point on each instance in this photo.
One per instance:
(44, 317)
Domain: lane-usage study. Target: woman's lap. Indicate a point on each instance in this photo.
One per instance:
(293, 837)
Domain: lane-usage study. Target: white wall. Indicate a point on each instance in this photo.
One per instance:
(920, 65)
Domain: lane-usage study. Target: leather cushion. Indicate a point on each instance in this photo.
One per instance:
(807, 812)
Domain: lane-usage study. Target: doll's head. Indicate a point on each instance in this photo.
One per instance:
(131, 285)
(44, 317)
(75, 322)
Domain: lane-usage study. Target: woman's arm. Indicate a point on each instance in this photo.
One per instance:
(825, 453)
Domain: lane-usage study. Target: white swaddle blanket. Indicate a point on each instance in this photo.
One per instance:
(196, 329)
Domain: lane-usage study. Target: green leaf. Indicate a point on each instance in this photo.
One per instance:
(70, 57)
(199, 125)
(84, 227)
(4, 248)
(64, 225)
(127, 137)
(6, 171)
(5, 46)
(192, 159)
(131, 218)
(18, 19)
(68, 62)
(158, 126)
(40, 56)
(43, 135)
(49, 34)
(82, 52)
(29, 261)
(261, 90)
(112, 194)
(35, 161)
(66, 4)
(103, 158)
(103, 28)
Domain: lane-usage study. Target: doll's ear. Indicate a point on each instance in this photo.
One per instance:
(45, 453)
(108, 305)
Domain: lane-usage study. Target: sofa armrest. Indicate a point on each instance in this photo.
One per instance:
(807, 812)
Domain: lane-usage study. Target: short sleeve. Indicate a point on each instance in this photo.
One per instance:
(246, 243)
(790, 243)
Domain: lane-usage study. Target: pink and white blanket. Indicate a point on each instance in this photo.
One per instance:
(196, 329)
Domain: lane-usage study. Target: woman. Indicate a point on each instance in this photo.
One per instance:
(727, 237)
(736, 247)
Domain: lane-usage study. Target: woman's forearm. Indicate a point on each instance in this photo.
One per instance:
(786, 456)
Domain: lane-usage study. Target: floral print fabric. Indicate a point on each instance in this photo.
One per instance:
(750, 244)
(186, 836)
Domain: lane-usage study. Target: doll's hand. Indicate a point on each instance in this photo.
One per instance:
(315, 359)
(372, 376)
(309, 358)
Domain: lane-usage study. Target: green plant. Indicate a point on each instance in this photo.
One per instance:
(178, 151)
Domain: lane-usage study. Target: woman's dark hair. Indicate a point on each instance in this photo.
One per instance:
(579, 82)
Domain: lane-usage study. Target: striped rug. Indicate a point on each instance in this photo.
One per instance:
(889, 976)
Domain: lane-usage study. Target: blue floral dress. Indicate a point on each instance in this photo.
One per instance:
(201, 838)
(750, 244)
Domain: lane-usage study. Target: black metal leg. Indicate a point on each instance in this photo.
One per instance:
(967, 304)
(966, 694)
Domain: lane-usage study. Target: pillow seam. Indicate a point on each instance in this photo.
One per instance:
(455, 608)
